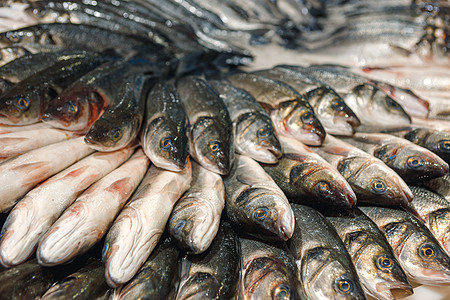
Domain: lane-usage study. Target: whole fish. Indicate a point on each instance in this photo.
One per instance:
(164, 133)
(41, 207)
(214, 273)
(440, 186)
(210, 127)
(119, 125)
(255, 203)
(307, 178)
(379, 271)
(412, 162)
(290, 112)
(371, 180)
(156, 279)
(435, 140)
(136, 231)
(323, 265)
(333, 113)
(254, 134)
(86, 221)
(267, 271)
(21, 174)
(195, 218)
(418, 252)
(13, 128)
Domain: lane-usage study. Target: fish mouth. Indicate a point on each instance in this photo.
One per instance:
(349, 117)
(394, 290)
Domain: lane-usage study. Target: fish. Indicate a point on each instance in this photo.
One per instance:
(379, 271)
(370, 179)
(210, 127)
(335, 116)
(13, 128)
(214, 273)
(307, 178)
(195, 218)
(418, 252)
(436, 141)
(267, 271)
(412, 162)
(41, 207)
(324, 266)
(254, 133)
(255, 204)
(156, 279)
(119, 125)
(290, 112)
(87, 220)
(440, 186)
(19, 175)
(139, 226)
(164, 132)
(8, 54)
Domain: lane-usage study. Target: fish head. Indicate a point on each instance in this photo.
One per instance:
(166, 143)
(212, 145)
(201, 285)
(20, 108)
(255, 136)
(11, 53)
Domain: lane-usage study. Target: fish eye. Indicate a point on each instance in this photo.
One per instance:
(337, 105)
(214, 146)
(307, 117)
(166, 142)
(260, 214)
(179, 226)
(392, 103)
(444, 145)
(323, 187)
(70, 107)
(414, 162)
(282, 292)
(384, 262)
(378, 186)
(22, 103)
(263, 132)
(14, 37)
(115, 134)
(344, 285)
(427, 251)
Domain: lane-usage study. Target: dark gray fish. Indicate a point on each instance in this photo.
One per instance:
(254, 134)
(323, 265)
(213, 274)
(210, 127)
(156, 279)
(379, 271)
(435, 140)
(418, 252)
(164, 133)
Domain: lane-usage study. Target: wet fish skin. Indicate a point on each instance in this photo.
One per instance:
(255, 203)
(379, 271)
(8, 54)
(254, 133)
(418, 252)
(440, 186)
(12, 128)
(164, 135)
(434, 140)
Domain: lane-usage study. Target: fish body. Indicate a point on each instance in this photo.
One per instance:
(440, 186)
(13, 128)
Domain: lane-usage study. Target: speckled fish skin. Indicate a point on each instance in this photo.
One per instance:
(440, 186)
(254, 202)
(210, 127)
(40, 208)
(21, 174)
(417, 251)
(330, 108)
(119, 125)
(214, 273)
(136, 231)
(434, 211)
(86, 221)
(156, 279)
(307, 178)
(195, 218)
(379, 271)
(323, 265)
(254, 134)
(267, 271)
(412, 162)
(434, 140)
(371, 180)
(290, 112)
(164, 134)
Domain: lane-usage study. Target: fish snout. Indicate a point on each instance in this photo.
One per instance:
(394, 289)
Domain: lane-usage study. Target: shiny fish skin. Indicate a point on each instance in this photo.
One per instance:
(254, 134)
(379, 271)
(323, 265)
(41, 207)
(212, 274)
(290, 112)
(21, 174)
(210, 127)
(195, 218)
(307, 178)
(8, 54)
(417, 251)
(434, 140)
(140, 224)
(164, 134)
(440, 186)
(371, 180)
(86, 221)
(254, 202)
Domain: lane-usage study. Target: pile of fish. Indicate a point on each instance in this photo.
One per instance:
(138, 159)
